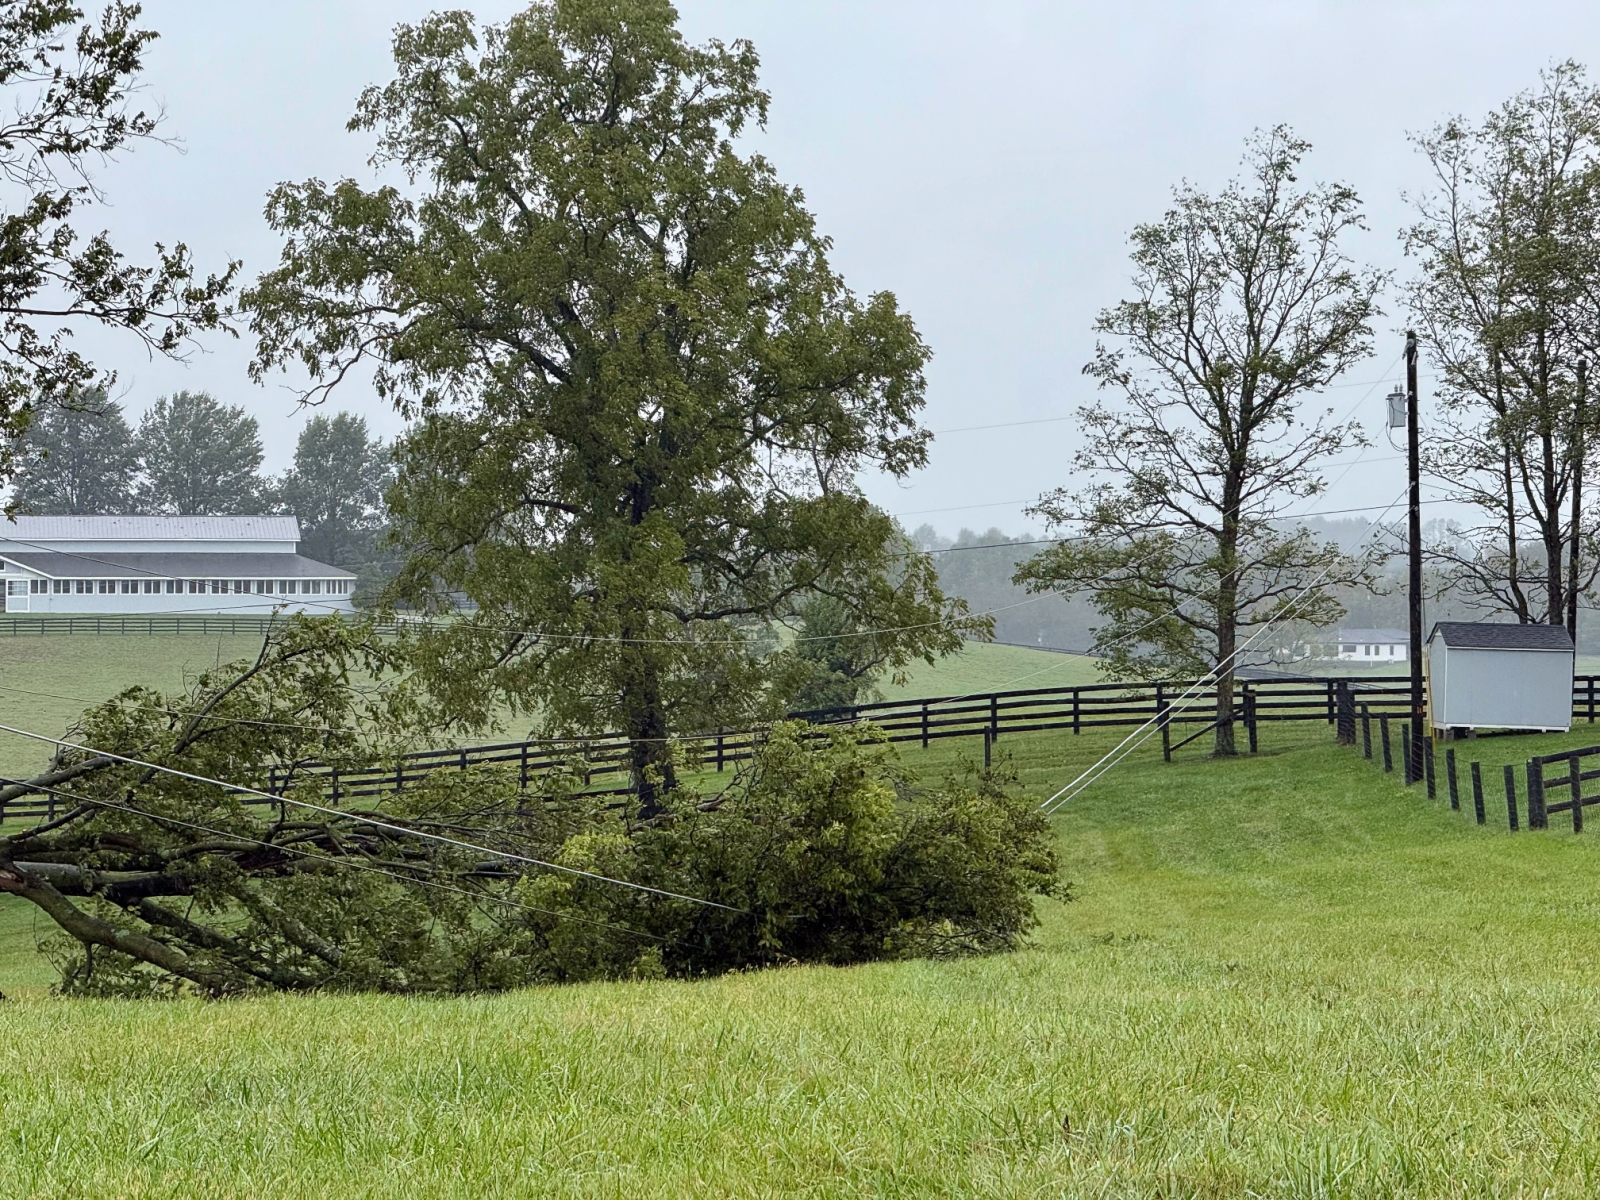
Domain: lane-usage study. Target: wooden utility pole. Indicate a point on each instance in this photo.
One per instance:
(1414, 469)
(1580, 436)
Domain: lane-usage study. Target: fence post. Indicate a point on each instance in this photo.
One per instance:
(1330, 702)
(1477, 794)
(1591, 699)
(1575, 786)
(994, 718)
(1250, 716)
(988, 747)
(400, 773)
(719, 749)
(1511, 797)
(1346, 731)
(1405, 752)
(1383, 731)
(524, 784)
(1537, 817)
(333, 773)
(1450, 777)
(924, 724)
(1076, 693)
(1428, 765)
(1162, 708)
(1366, 732)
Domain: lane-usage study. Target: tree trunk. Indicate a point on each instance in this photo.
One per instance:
(92, 931)
(1227, 615)
(645, 722)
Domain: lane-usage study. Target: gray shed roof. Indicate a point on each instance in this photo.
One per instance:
(174, 566)
(1486, 635)
(151, 528)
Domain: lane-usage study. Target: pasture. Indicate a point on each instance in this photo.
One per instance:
(1286, 976)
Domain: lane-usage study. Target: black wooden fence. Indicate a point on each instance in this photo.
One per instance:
(1181, 712)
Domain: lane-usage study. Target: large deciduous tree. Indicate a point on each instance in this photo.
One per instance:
(199, 456)
(1506, 302)
(641, 395)
(68, 91)
(1244, 303)
(77, 457)
(336, 488)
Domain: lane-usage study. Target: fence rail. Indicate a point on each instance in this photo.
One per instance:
(990, 716)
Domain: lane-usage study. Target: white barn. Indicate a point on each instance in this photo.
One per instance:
(234, 566)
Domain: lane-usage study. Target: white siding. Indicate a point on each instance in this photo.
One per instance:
(1500, 689)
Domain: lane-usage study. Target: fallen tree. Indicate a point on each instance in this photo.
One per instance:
(168, 870)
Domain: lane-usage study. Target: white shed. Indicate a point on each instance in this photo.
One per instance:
(1492, 676)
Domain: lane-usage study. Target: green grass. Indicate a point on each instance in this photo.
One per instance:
(980, 667)
(1284, 976)
(45, 682)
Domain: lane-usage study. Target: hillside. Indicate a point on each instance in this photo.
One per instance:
(1283, 976)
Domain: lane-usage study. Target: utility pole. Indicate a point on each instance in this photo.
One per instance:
(1580, 436)
(1414, 468)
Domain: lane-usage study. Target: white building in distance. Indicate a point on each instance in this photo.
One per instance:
(233, 566)
(1373, 645)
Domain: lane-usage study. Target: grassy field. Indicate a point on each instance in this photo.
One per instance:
(45, 682)
(1285, 976)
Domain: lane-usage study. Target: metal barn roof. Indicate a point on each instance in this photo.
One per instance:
(1485, 635)
(151, 529)
(174, 566)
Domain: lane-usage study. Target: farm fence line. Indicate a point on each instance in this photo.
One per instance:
(1339, 702)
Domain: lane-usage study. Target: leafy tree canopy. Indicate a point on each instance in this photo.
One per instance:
(336, 488)
(68, 91)
(199, 456)
(77, 457)
(641, 393)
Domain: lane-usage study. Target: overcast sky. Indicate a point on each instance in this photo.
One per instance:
(985, 162)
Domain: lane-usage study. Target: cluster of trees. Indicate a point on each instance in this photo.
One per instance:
(1247, 305)
(1508, 301)
(192, 454)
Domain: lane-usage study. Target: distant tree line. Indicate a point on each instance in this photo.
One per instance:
(193, 455)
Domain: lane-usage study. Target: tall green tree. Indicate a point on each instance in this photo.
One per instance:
(77, 458)
(68, 89)
(199, 456)
(336, 488)
(641, 395)
(1244, 304)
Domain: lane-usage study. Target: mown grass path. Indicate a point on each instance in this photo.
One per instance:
(1285, 976)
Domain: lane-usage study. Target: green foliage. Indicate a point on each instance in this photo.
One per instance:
(336, 489)
(199, 456)
(163, 883)
(832, 855)
(641, 394)
(69, 92)
(1245, 303)
(77, 457)
(834, 662)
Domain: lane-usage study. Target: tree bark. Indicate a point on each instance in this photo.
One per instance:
(92, 931)
(1227, 614)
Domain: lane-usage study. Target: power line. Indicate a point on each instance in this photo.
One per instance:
(363, 818)
(160, 818)
(1123, 748)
